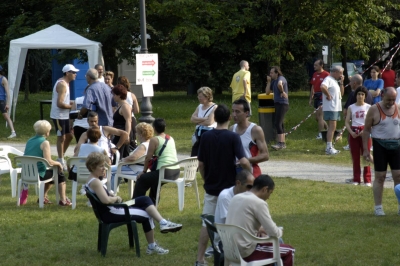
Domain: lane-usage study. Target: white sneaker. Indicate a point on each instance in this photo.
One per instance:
(368, 184)
(170, 227)
(157, 249)
(209, 252)
(356, 183)
(13, 135)
(347, 147)
(319, 136)
(331, 151)
(379, 212)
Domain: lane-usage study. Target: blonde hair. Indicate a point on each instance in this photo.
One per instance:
(95, 159)
(42, 127)
(207, 92)
(146, 130)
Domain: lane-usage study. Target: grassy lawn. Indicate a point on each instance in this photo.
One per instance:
(328, 224)
(177, 108)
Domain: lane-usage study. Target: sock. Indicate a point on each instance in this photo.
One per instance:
(378, 207)
(151, 245)
(163, 222)
(328, 145)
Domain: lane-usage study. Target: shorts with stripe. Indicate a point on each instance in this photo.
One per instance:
(61, 126)
(265, 251)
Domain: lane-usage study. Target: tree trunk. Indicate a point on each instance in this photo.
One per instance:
(346, 81)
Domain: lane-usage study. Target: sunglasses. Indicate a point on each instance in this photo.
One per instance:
(72, 72)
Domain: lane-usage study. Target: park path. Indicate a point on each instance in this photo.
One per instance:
(278, 168)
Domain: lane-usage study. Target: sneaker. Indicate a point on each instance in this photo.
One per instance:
(89, 204)
(347, 147)
(65, 203)
(368, 184)
(197, 263)
(157, 249)
(319, 136)
(170, 227)
(83, 190)
(356, 183)
(331, 151)
(349, 181)
(45, 201)
(379, 212)
(13, 135)
(68, 200)
(209, 252)
(24, 197)
(389, 178)
(279, 146)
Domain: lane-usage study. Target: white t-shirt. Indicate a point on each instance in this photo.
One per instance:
(358, 114)
(101, 79)
(335, 104)
(398, 95)
(221, 211)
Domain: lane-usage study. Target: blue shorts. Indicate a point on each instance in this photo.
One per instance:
(3, 106)
(317, 99)
(332, 115)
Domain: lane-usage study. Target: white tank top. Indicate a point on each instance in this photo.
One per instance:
(56, 112)
(203, 113)
(87, 149)
(388, 126)
(105, 143)
(80, 122)
(358, 114)
(246, 139)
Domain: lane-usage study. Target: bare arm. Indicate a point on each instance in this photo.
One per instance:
(268, 88)
(325, 91)
(97, 186)
(151, 150)
(369, 121)
(126, 112)
(348, 125)
(139, 152)
(62, 90)
(244, 163)
(263, 155)
(195, 117)
(209, 120)
(135, 105)
(123, 135)
(82, 139)
(45, 147)
(245, 89)
(341, 85)
(311, 95)
(281, 89)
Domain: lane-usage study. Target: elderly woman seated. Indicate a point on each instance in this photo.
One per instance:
(144, 133)
(143, 211)
(40, 147)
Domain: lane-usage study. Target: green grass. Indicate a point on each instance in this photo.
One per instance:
(177, 108)
(328, 224)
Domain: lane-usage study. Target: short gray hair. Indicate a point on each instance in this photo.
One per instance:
(357, 78)
(92, 74)
(42, 127)
(243, 62)
(337, 69)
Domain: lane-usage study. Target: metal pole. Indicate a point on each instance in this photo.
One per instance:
(146, 109)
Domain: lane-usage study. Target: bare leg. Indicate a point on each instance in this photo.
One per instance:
(61, 189)
(153, 212)
(67, 141)
(280, 137)
(331, 130)
(378, 187)
(320, 119)
(47, 187)
(9, 122)
(60, 146)
(202, 246)
(150, 236)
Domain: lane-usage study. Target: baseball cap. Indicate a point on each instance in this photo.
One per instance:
(69, 67)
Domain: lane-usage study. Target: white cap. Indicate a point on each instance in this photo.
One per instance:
(69, 67)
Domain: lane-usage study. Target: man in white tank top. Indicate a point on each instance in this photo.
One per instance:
(382, 122)
(251, 135)
(60, 107)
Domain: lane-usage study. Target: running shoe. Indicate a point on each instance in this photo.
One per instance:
(379, 212)
(157, 249)
(209, 252)
(170, 227)
(347, 147)
(13, 135)
(331, 151)
(319, 136)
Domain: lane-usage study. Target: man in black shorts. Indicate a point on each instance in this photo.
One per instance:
(382, 122)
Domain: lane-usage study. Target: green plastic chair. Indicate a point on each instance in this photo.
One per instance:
(105, 228)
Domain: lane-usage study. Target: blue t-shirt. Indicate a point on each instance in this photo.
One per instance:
(99, 98)
(276, 91)
(3, 95)
(218, 150)
(373, 85)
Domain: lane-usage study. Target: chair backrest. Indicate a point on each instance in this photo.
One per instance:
(97, 206)
(211, 229)
(29, 167)
(82, 173)
(5, 163)
(190, 168)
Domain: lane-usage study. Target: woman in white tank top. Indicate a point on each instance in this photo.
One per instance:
(356, 113)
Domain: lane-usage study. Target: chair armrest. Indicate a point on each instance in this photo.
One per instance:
(15, 151)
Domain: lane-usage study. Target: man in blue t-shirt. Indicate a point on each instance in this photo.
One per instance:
(218, 150)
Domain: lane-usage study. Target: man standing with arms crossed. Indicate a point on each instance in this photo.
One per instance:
(251, 135)
(319, 75)
(332, 104)
(60, 107)
(382, 123)
(218, 151)
(241, 85)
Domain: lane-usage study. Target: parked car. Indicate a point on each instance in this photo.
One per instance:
(359, 65)
(351, 68)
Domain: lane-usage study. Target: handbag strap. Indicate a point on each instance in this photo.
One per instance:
(167, 137)
(209, 108)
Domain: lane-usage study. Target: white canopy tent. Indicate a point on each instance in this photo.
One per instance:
(54, 37)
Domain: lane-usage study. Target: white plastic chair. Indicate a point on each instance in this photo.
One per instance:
(131, 178)
(82, 175)
(30, 176)
(228, 234)
(7, 168)
(189, 175)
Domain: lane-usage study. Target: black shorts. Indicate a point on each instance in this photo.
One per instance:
(3, 106)
(317, 99)
(49, 174)
(61, 126)
(383, 157)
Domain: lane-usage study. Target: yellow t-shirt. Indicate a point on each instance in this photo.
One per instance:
(237, 85)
